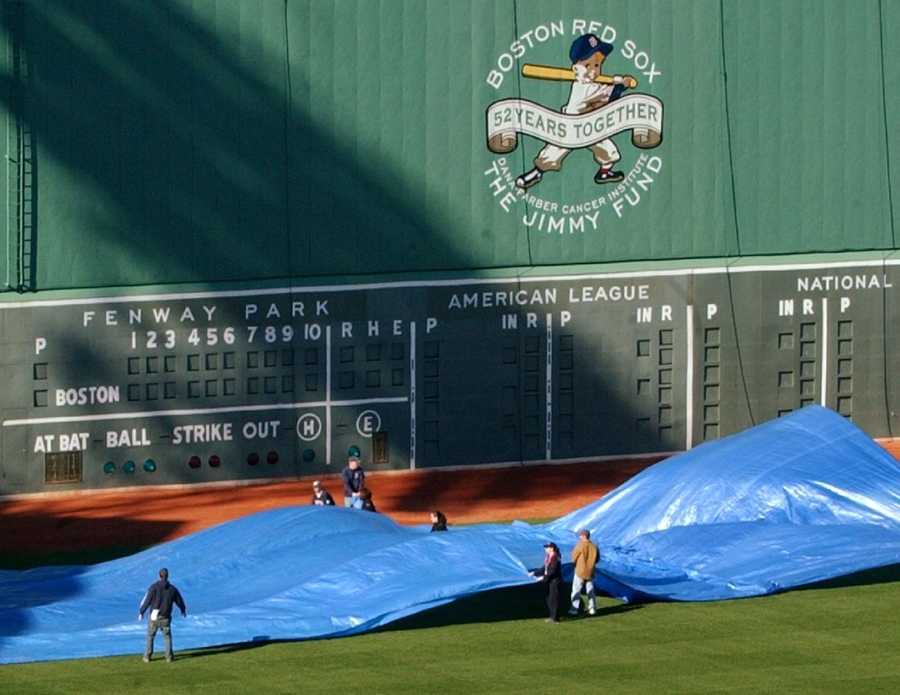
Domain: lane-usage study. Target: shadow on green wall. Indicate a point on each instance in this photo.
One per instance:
(172, 149)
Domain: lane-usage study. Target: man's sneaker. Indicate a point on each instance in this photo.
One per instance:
(573, 611)
(609, 176)
(592, 611)
(170, 659)
(146, 659)
(529, 179)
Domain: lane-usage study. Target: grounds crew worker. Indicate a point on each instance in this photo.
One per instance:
(551, 575)
(321, 496)
(159, 599)
(354, 478)
(585, 556)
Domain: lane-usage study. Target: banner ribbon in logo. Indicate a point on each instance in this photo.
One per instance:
(642, 114)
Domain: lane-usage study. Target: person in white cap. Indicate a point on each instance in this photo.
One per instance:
(321, 496)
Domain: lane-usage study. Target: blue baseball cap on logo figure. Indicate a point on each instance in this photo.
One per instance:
(587, 45)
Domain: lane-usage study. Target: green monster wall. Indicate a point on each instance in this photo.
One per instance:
(225, 140)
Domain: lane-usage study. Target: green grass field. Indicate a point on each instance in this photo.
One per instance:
(833, 638)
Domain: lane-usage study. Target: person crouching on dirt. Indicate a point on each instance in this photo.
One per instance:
(438, 521)
(159, 599)
(551, 575)
(367, 504)
(585, 556)
(321, 496)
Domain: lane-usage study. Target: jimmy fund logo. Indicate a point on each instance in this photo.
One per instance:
(601, 105)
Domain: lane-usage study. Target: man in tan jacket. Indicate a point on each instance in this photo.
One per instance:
(585, 556)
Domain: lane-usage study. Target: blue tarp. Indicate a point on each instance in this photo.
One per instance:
(793, 501)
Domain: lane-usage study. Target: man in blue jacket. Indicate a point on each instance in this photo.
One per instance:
(159, 599)
(354, 481)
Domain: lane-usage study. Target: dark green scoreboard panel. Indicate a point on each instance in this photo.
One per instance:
(284, 381)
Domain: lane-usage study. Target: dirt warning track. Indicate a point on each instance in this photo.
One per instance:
(144, 517)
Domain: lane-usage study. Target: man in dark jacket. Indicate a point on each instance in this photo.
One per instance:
(159, 599)
(321, 496)
(354, 481)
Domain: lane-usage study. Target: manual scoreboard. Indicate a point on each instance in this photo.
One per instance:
(284, 381)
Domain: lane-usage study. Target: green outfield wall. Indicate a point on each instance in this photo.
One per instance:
(231, 139)
(242, 238)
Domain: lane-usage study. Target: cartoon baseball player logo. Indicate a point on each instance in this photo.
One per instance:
(590, 90)
(600, 106)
